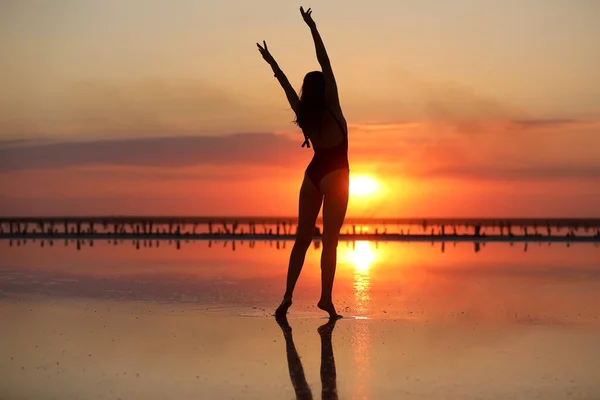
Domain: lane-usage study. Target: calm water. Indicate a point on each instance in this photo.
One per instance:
(161, 320)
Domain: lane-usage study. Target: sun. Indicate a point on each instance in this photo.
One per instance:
(363, 186)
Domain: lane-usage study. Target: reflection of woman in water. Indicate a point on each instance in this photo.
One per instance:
(328, 374)
(319, 115)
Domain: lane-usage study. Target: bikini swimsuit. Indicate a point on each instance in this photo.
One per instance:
(329, 159)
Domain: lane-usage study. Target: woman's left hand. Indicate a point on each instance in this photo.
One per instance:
(307, 17)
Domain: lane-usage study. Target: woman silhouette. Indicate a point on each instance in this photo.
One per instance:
(326, 180)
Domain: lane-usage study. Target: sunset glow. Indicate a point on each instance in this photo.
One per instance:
(275, 199)
(102, 113)
(363, 186)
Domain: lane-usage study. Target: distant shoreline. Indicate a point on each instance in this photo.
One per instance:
(281, 228)
(484, 221)
(274, 238)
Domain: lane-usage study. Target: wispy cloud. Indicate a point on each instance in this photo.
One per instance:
(416, 154)
(507, 173)
(238, 149)
(552, 123)
(452, 132)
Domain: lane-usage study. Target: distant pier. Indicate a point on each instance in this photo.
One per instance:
(284, 228)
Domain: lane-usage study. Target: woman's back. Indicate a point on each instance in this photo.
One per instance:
(333, 131)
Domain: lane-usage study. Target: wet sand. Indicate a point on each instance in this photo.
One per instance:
(80, 349)
(430, 328)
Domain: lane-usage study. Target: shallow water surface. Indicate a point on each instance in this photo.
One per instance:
(160, 320)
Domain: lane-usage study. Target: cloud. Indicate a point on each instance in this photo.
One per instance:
(469, 110)
(545, 123)
(506, 173)
(551, 123)
(451, 132)
(237, 149)
(439, 158)
(408, 149)
(21, 142)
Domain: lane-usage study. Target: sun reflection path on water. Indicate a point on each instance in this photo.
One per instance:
(362, 257)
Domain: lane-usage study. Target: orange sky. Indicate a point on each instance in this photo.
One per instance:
(457, 110)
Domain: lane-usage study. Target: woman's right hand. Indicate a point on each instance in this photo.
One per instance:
(264, 52)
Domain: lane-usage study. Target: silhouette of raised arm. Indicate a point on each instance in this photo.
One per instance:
(331, 90)
(290, 93)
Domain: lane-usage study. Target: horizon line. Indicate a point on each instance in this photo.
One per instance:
(276, 219)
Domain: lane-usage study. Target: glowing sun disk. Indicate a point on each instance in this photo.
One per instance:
(362, 186)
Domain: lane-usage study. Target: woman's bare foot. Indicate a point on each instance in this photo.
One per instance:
(283, 307)
(328, 306)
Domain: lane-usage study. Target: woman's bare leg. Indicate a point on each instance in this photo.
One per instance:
(335, 189)
(308, 210)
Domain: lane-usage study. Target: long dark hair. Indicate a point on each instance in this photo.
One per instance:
(312, 102)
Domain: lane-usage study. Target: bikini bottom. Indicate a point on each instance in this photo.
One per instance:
(323, 163)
